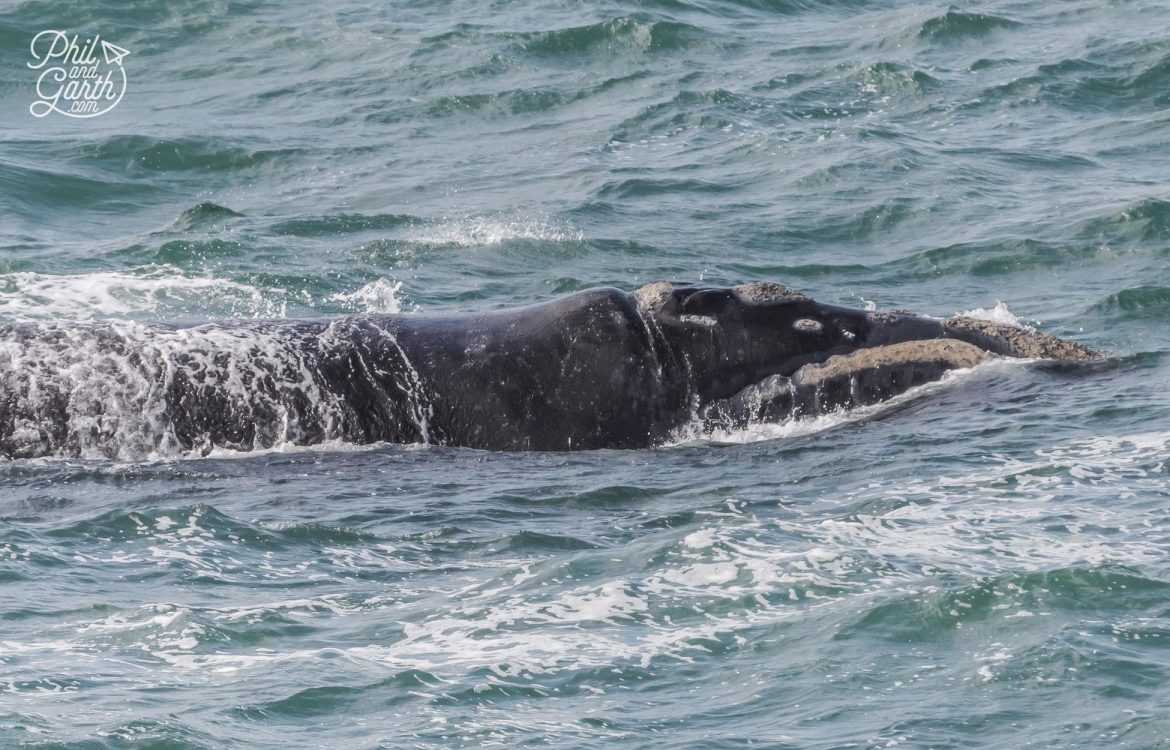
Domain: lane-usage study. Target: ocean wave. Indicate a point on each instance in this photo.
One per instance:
(1141, 222)
(157, 291)
(166, 292)
(204, 215)
(201, 543)
(379, 296)
(640, 187)
(641, 34)
(624, 33)
(933, 518)
(509, 103)
(1137, 302)
(937, 611)
(957, 25)
(994, 258)
(341, 224)
(329, 701)
(950, 559)
(870, 568)
(998, 314)
(1117, 79)
(139, 154)
(477, 231)
(889, 78)
(860, 222)
(36, 187)
(709, 110)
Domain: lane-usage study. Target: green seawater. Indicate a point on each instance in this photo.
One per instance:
(983, 565)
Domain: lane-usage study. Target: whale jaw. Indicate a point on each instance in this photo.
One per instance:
(871, 375)
(844, 381)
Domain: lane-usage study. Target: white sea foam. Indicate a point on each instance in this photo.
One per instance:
(161, 292)
(998, 314)
(150, 290)
(472, 231)
(101, 390)
(974, 524)
(377, 297)
(972, 520)
(291, 448)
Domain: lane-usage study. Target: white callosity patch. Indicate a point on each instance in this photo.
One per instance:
(767, 291)
(808, 325)
(955, 354)
(651, 297)
(700, 320)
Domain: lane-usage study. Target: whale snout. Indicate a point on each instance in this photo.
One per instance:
(829, 357)
(889, 327)
(1013, 341)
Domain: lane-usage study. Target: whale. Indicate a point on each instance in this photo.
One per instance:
(599, 368)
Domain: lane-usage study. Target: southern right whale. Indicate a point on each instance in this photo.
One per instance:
(601, 368)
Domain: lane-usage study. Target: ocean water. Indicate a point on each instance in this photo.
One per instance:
(984, 564)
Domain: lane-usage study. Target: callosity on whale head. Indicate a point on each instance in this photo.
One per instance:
(762, 351)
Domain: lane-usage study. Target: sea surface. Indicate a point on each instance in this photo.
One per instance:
(984, 564)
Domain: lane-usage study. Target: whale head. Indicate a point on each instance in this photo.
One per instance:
(764, 351)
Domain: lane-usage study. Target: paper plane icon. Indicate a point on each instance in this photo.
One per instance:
(113, 53)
